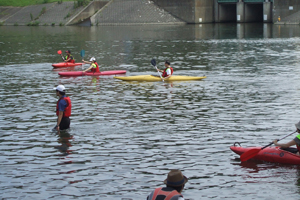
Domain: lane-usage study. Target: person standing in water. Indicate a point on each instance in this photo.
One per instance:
(63, 109)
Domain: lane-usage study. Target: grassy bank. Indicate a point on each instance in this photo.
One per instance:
(17, 3)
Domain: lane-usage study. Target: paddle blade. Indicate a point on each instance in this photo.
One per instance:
(82, 53)
(249, 154)
(59, 52)
(153, 62)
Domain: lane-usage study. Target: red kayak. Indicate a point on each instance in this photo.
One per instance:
(80, 73)
(66, 64)
(271, 154)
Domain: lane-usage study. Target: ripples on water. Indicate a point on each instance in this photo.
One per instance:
(126, 136)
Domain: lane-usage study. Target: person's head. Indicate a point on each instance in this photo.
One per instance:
(60, 90)
(68, 52)
(298, 127)
(167, 63)
(176, 180)
(93, 59)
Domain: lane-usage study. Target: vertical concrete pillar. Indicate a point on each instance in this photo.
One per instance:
(216, 11)
(268, 12)
(240, 12)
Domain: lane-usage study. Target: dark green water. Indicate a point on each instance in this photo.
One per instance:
(125, 137)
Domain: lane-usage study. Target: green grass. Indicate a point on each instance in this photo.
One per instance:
(17, 3)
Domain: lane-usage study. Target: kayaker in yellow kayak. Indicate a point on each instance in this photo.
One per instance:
(167, 72)
(295, 141)
(94, 65)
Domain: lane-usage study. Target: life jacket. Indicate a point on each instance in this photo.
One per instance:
(95, 67)
(169, 195)
(298, 147)
(72, 60)
(67, 111)
(165, 72)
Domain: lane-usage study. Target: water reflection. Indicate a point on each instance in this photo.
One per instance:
(64, 138)
(114, 45)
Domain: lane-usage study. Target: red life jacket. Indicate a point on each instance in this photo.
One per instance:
(72, 60)
(168, 194)
(67, 111)
(165, 72)
(97, 70)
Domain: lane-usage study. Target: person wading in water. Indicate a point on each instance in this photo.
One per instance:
(174, 185)
(63, 109)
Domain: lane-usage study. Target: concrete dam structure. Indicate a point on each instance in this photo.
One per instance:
(127, 12)
(198, 11)
(236, 11)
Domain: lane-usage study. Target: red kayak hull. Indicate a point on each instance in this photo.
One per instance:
(64, 64)
(270, 154)
(80, 73)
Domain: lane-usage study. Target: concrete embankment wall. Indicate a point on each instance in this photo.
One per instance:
(87, 12)
(127, 12)
(43, 14)
(190, 11)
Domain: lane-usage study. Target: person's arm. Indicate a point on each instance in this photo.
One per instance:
(60, 115)
(169, 74)
(89, 68)
(63, 58)
(69, 59)
(86, 62)
(290, 143)
(61, 107)
(167, 77)
(159, 70)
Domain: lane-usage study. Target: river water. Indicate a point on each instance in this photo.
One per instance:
(126, 136)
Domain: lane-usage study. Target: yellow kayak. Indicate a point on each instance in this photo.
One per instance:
(151, 78)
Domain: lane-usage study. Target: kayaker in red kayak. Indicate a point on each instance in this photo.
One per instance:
(63, 109)
(94, 65)
(295, 141)
(167, 72)
(69, 57)
(174, 185)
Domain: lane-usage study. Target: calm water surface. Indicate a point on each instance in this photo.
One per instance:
(126, 136)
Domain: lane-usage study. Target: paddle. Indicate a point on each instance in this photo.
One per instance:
(60, 53)
(82, 53)
(253, 152)
(153, 62)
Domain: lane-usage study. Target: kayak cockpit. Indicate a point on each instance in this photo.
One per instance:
(290, 149)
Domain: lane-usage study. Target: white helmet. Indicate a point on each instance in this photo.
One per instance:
(93, 59)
